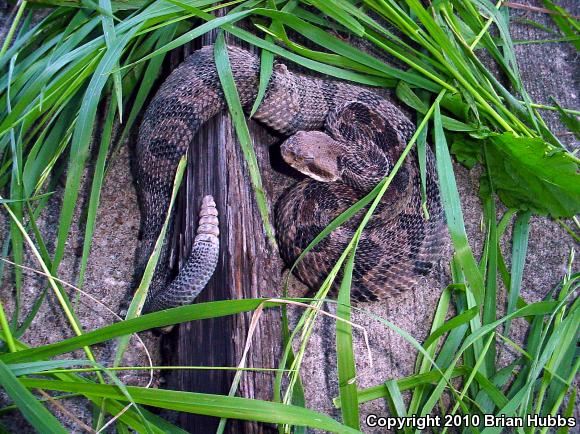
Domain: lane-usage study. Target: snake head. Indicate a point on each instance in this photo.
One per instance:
(313, 153)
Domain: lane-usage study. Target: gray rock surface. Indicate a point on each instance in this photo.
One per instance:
(108, 278)
(547, 69)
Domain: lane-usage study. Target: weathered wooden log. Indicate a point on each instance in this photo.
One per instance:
(249, 267)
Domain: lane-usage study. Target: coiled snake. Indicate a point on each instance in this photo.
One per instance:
(363, 136)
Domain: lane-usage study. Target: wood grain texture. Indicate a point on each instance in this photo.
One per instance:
(248, 267)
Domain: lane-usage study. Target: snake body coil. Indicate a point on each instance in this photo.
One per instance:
(364, 135)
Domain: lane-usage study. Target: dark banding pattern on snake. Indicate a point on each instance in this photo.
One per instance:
(344, 137)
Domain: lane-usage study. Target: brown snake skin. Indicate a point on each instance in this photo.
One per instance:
(364, 135)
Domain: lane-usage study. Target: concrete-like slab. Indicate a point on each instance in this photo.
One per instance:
(547, 70)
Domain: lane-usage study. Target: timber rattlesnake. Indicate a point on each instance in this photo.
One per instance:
(364, 136)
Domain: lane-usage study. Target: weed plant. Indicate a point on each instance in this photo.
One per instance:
(86, 55)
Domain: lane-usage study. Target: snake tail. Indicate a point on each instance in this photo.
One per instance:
(199, 267)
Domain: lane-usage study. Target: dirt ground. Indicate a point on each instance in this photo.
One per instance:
(547, 69)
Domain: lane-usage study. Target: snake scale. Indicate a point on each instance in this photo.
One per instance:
(344, 137)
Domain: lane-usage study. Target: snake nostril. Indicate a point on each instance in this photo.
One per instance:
(287, 152)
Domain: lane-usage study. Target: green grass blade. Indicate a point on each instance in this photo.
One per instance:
(12, 28)
(309, 63)
(16, 192)
(212, 24)
(540, 309)
(332, 43)
(266, 68)
(422, 158)
(403, 384)
(82, 138)
(569, 120)
(453, 323)
(566, 369)
(521, 399)
(95, 195)
(344, 350)
(110, 36)
(422, 365)
(519, 252)
(144, 322)
(20, 369)
(205, 404)
(490, 297)
(150, 76)
(453, 213)
(34, 412)
(237, 113)
(428, 379)
(29, 318)
(451, 345)
(6, 330)
(226, 23)
(58, 291)
(128, 416)
(482, 357)
(395, 399)
(568, 25)
(140, 295)
(340, 16)
(569, 411)
(266, 63)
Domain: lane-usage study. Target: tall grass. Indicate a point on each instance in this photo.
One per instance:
(83, 55)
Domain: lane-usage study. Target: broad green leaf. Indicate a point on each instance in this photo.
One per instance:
(467, 152)
(529, 174)
(569, 120)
